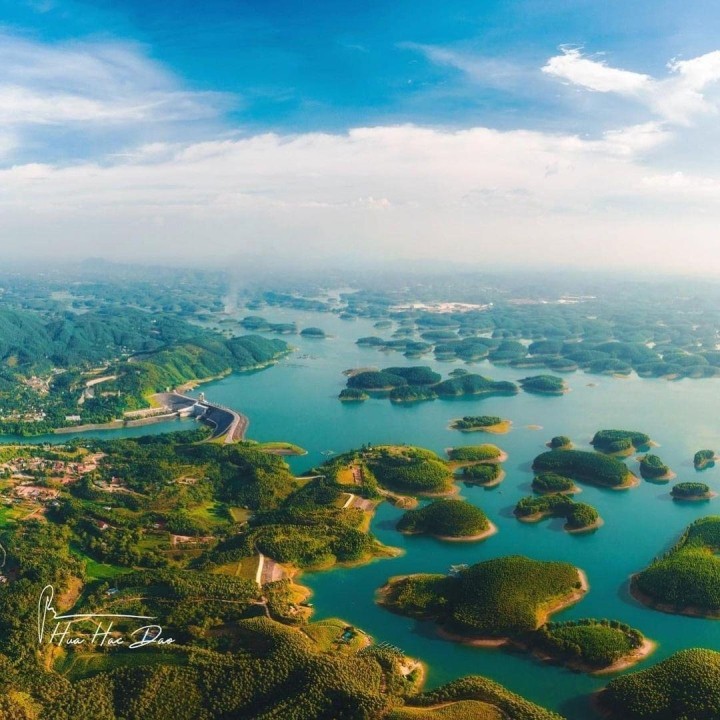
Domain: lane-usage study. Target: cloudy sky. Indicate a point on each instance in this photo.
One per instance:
(495, 132)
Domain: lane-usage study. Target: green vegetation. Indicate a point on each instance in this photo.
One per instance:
(313, 332)
(470, 422)
(619, 441)
(415, 383)
(578, 516)
(375, 380)
(482, 474)
(486, 423)
(416, 375)
(409, 469)
(412, 393)
(544, 384)
(479, 690)
(49, 367)
(686, 579)
(475, 453)
(703, 459)
(353, 395)
(685, 686)
(503, 597)
(474, 385)
(582, 466)
(561, 442)
(690, 491)
(593, 644)
(653, 468)
(550, 482)
(445, 518)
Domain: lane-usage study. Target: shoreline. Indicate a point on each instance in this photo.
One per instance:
(622, 663)
(119, 423)
(457, 464)
(689, 611)
(587, 528)
(542, 615)
(694, 498)
(493, 483)
(491, 530)
(540, 516)
(500, 428)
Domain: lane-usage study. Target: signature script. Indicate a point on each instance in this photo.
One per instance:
(93, 628)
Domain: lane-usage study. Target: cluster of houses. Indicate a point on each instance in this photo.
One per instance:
(23, 468)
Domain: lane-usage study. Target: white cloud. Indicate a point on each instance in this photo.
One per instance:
(491, 72)
(384, 192)
(103, 85)
(595, 75)
(684, 96)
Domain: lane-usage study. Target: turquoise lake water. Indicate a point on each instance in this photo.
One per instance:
(297, 401)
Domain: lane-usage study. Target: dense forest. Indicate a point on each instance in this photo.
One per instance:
(240, 648)
(95, 366)
(686, 685)
(686, 579)
(603, 470)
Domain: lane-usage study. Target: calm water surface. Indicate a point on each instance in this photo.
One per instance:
(297, 401)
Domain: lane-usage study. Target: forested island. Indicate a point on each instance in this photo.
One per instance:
(691, 491)
(507, 601)
(589, 467)
(420, 382)
(686, 580)
(579, 517)
(704, 459)
(620, 442)
(492, 600)
(550, 482)
(544, 385)
(653, 468)
(482, 423)
(590, 645)
(313, 332)
(447, 520)
(560, 442)
(686, 685)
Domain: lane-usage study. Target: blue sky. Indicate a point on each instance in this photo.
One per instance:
(141, 127)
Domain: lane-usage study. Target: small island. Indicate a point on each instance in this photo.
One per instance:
(579, 517)
(353, 395)
(685, 580)
(313, 332)
(489, 602)
(592, 646)
(620, 442)
(704, 459)
(550, 482)
(420, 382)
(691, 491)
(481, 423)
(447, 520)
(410, 469)
(544, 385)
(486, 474)
(560, 442)
(686, 685)
(603, 470)
(375, 380)
(412, 393)
(469, 454)
(653, 468)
